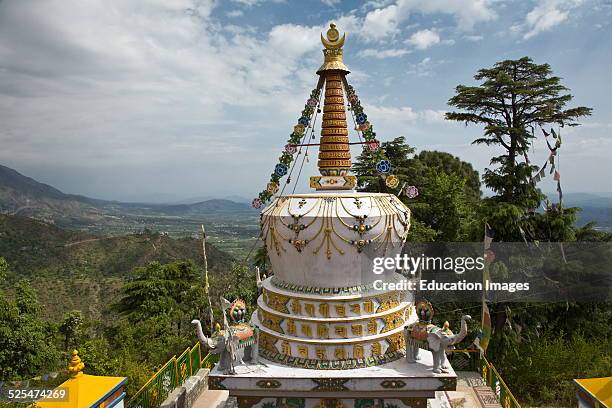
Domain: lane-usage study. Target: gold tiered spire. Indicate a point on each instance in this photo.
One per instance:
(334, 153)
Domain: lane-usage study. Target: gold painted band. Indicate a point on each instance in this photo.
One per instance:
(334, 139)
(334, 132)
(334, 123)
(334, 116)
(334, 155)
(334, 92)
(333, 108)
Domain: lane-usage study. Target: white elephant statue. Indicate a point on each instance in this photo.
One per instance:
(426, 336)
(227, 343)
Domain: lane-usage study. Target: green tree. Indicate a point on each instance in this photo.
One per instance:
(448, 189)
(171, 290)
(512, 99)
(72, 328)
(26, 340)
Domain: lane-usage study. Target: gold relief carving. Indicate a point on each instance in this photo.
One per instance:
(357, 329)
(322, 331)
(303, 351)
(340, 353)
(307, 330)
(372, 326)
(333, 108)
(321, 353)
(334, 99)
(336, 139)
(277, 302)
(376, 349)
(334, 163)
(310, 310)
(286, 348)
(272, 322)
(334, 155)
(386, 303)
(266, 342)
(296, 307)
(396, 342)
(341, 331)
(393, 321)
(334, 92)
(330, 384)
(334, 131)
(333, 146)
(291, 327)
(368, 306)
(357, 351)
(324, 309)
(340, 310)
(355, 308)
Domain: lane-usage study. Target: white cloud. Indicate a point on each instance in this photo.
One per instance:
(330, 3)
(424, 39)
(387, 20)
(547, 15)
(116, 86)
(474, 38)
(381, 54)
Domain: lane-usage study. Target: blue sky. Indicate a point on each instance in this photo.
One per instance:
(134, 100)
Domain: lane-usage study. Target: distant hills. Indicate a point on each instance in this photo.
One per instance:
(77, 270)
(24, 196)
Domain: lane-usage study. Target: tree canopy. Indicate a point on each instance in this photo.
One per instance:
(513, 98)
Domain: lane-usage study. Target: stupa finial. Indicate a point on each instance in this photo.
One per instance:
(333, 51)
(76, 366)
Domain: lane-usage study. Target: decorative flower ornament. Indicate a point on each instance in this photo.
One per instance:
(281, 169)
(303, 120)
(290, 148)
(353, 99)
(373, 145)
(364, 126)
(392, 181)
(299, 129)
(383, 166)
(312, 102)
(256, 203)
(411, 192)
(361, 118)
(272, 187)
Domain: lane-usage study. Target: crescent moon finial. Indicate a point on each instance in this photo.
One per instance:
(333, 40)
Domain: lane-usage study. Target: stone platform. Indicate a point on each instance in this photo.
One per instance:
(270, 385)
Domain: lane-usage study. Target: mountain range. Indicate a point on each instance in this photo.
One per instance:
(24, 196)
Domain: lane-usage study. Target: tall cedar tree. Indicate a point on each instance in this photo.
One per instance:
(513, 98)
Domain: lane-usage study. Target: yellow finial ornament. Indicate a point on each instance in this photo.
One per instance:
(76, 366)
(333, 51)
(333, 41)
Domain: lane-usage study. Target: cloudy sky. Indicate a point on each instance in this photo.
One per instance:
(171, 99)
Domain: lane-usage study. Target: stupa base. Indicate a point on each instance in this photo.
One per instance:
(398, 383)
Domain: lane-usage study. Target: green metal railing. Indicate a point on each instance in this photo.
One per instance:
(473, 361)
(171, 375)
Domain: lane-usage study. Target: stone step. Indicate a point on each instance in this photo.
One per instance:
(212, 399)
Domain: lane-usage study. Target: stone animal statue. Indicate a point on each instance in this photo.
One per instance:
(426, 336)
(238, 335)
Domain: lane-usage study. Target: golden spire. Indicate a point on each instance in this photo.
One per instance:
(333, 51)
(76, 365)
(334, 153)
